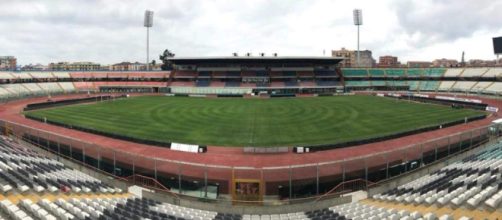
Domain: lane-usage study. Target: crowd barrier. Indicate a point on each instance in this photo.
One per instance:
(50, 104)
(285, 183)
(477, 106)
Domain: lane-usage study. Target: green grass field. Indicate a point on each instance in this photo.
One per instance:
(254, 122)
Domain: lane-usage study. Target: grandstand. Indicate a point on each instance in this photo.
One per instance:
(28, 178)
(33, 184)
(467, 80)
(37, 187)
(474, 72)
(473, 182)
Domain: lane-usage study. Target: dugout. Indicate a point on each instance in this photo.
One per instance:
(129, 89)
(297, 90)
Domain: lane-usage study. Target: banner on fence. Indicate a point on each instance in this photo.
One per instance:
(492, 109)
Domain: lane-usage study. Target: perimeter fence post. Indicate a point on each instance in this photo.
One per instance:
(38, 138)
(366, 169)
(435, 151)
(133, 164)
(71, 152)
(83, 154)
(114, 163)
(317, 179)
(290, 183)
(179, 178)
(99, 158)
(387, 165)
(462, 141)
(449, 143)
(471, 139)
(205, 181)
(47, 142)
(421, 154)
(406, 160)
(155, 168)
(59, 149)
(343, 174)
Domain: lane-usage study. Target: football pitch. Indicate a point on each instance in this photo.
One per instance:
(254, 122)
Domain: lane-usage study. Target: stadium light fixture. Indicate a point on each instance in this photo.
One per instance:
(358, 21)
(497, 47)
(148, 23)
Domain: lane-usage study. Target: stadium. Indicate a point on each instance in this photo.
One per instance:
(252, 138)
(296, 136)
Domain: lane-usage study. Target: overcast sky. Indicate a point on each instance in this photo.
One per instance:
(111, 31)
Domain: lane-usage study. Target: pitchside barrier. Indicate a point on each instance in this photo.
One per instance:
(265, 150)
(392, 135)
(18, 96)
(254, 185)
(50, 104)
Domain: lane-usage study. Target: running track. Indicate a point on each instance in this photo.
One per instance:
(234, 157)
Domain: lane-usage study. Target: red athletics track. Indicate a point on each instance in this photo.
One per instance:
(235, 157)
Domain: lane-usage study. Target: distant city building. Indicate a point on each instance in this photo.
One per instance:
(365, 58)
(36, 67)
(445, 63)
(8, 63)
(388, 61)
(105, 67)
(128, 66)
(155, 67)
(480, 63)
(418, 64)
(76, 66)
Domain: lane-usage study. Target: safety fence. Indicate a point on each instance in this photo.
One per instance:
(252, 184)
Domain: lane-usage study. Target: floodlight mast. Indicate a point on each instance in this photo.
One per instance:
(358, 21)
(148, 23)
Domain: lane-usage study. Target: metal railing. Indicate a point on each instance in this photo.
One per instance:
(281, 185)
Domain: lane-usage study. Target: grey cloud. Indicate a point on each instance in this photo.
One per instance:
(433, 21)
(109, 31)
(103, 13)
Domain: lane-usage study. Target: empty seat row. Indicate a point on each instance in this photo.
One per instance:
(23, 169)
(473, 181)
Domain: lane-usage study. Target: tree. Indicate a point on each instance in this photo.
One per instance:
(166, 63)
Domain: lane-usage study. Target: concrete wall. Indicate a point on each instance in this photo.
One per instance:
(228, 207)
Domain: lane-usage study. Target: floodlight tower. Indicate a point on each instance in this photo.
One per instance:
(148, 23)
(497, 47)
(358, 21)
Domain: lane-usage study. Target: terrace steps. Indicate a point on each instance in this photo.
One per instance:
(35, 197)
(439, 211)
(489, 85)
(461, 73)
(62, 89)
(24, 86)
(484, 72)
